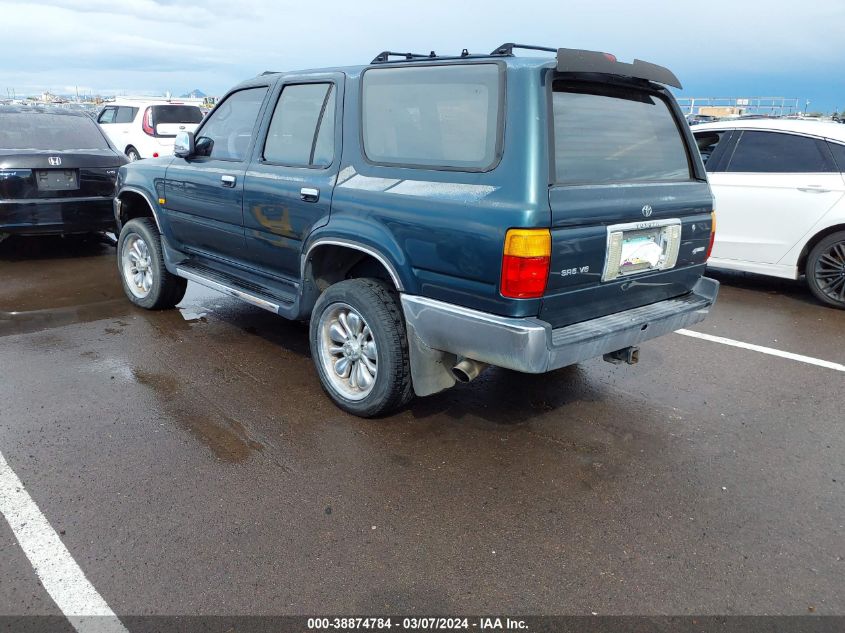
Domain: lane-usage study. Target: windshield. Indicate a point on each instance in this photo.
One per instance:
(606, 134)
(41, 130)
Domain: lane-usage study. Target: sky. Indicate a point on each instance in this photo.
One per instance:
(718, 48)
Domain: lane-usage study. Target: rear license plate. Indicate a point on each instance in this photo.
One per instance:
(57, 179)
(641, 247)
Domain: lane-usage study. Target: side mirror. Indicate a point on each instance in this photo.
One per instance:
(183, 146)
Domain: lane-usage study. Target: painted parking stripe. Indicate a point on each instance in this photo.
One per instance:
(59, 574)
(764, 350)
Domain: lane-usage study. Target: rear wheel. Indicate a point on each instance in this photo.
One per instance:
(132, 154)
(146, 281)
(826, 270)
(360, 348)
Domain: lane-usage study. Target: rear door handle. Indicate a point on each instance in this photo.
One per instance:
(814, 189)
(309, 194)
(228, 181)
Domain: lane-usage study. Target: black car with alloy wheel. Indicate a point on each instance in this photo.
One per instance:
(57, 173)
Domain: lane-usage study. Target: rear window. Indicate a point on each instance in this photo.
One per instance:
(176, 114)
(39, 130)
(605, 134)
(445, 117)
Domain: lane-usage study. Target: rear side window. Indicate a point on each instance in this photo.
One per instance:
(708, 142)
(176, 114)
(604, 134)
(301, 132)
(37, 130)
(444, 117)
(125, 114)
(838, 152)
(776, 152)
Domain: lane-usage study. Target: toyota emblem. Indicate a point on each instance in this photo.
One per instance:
(647, 211)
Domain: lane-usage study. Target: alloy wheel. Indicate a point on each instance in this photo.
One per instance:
(137, 264)
(348, 351)
(830, 272)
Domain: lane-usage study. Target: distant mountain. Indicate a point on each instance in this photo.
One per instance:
(194, 94)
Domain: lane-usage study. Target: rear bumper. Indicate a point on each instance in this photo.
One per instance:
(532, 346)
(60, 215)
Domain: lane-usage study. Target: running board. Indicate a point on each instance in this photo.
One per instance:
(228, 285)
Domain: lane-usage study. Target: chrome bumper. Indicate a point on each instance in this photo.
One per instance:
(532, 346)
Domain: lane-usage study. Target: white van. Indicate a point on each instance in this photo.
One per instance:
(146, 128)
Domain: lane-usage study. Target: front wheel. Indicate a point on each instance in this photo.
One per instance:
(146, 281)
(826, 270)
(360, 348)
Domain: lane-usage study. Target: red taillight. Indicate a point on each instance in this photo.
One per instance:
(712, 235)
(155, 154)
(610, 57)
(525, 263)
(147, 122)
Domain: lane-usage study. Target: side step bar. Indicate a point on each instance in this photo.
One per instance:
(273, 304)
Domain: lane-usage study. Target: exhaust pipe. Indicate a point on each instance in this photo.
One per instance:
(467, 370)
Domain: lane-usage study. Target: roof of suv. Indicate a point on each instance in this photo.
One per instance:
(514, 61)
(822, 129)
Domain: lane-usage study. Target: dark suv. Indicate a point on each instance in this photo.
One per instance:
(435, 215)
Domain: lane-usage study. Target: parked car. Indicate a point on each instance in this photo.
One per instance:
(57, 172)
(780, 200)
(146, 129)
(435, 215)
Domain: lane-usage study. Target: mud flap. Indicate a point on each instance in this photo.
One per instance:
(430, 368)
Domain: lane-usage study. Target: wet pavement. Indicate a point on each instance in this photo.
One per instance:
(192, 464)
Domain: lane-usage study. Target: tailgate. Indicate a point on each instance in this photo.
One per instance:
(630, 223)
(171, 129)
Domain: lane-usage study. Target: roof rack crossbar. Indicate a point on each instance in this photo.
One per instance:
(385, 56)
(507, 48)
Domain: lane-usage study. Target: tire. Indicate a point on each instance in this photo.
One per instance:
(825, 270)
(140, 263)
(132, 154)
(359, 322)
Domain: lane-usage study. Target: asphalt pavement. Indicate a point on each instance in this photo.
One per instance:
(190, 464)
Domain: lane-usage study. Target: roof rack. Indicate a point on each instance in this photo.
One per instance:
(507, 48)
(385, 56)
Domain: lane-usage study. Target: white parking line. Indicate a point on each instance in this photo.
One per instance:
(764, 350)
(61, 576)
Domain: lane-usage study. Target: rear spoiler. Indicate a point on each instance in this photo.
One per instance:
(571, 60)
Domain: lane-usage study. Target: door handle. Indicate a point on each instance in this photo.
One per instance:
(228, 181)
(309, 194)
(813, 189)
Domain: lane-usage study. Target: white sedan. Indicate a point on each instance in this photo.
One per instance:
(780, 199)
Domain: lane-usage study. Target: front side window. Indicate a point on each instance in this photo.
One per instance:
(433, 116)
(227, 132)
(301, 132)
(107, 115)
(777, 152)
(606, 134)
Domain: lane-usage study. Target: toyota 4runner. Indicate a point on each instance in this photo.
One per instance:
(435, 215)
